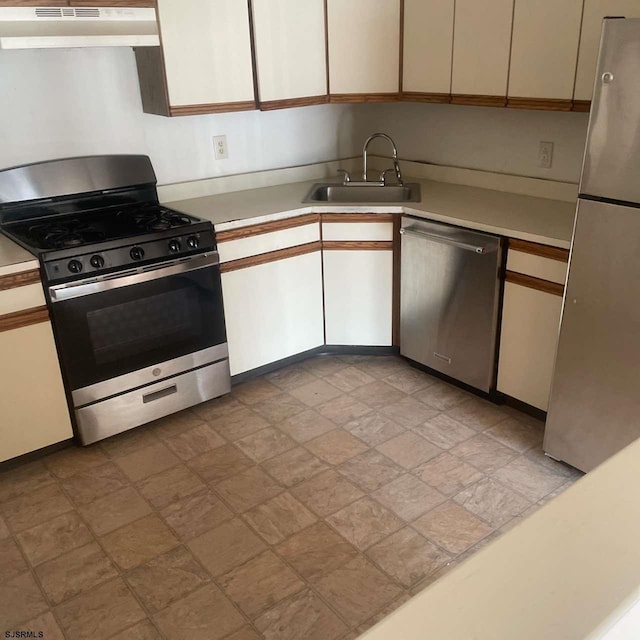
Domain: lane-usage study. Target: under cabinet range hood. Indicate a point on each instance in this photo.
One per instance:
(57, 27)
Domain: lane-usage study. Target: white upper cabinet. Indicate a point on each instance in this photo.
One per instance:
(207, 51)
(544, 48)
(364, 46)
(594, 12)
(428, 44)
(481, 46)
(290, 49)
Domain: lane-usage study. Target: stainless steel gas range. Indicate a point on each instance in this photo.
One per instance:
(133, 289)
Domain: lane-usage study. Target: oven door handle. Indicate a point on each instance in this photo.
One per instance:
(61, 292)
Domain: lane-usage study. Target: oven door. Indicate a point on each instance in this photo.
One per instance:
(131, 329)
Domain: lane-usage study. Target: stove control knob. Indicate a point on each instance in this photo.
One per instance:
(97, 262)
(75, 266)
(193, 242)
(174, 246)
(137, 253)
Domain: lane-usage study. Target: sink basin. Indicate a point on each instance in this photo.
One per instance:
(327, 192)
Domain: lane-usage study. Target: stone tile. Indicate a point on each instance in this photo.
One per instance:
(255, 391)
(306, 425)
(407, 557)
(75, 459)
(484, 453)
(291, 377)
(374, 428)
(20, 600)
(248, 489)
(75, 572)
(380, 366)
(23, 480)
(324, 365)
(147, 461)
(54, 537)
(206, 614)
(11, 562)
(35, 507)
(409, 450)
(344, 589)
(125, 443)
(259, 584)
(408, 497)
(194, 514)
(169, 486)
(436, 575)
(554, 494)
(378, 394)
(409, 380)
(447, 474)
(364, 522)
(492, 501)
(453, 528)
(520, 518)
(138, 542)
(384, 612)
(529, 478)
(87, 486)
(279, 407)
(226, 547)
(316, 392)
(444, 431)
(370, 470)
(336, 447)
(327, 493)
(47, 625)
(4, 530)
(294, 466)
(343, 409)
(115, 510)
(265, 444)
(561, 468)
(99, 613)
(408, 412)
(238, 423)
(441, 396)
(316, 551)
(349, 379)
(246, 633)
(175, 424)
(195, 441)
(217, 407)
(142, 631)
(166, 579)
(303, 615)
(279, 518)
(477, 414)
(520, 436)
(219, 464)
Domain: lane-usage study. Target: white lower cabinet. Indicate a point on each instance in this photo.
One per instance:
(273, 310)
(33, 408)
(358, 293)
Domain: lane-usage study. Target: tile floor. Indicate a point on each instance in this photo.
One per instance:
(305, 505)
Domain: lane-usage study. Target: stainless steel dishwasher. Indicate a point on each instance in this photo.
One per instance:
(449, 300)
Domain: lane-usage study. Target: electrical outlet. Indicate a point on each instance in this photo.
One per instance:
(220, 149)
(545, 155)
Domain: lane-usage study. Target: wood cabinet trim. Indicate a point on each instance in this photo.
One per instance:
(292, 103)
(534, 283)
(544, 104)
(478, 101)
(23, 318)
(15, 280)
(353, 98)
(419, 96)
(542, 250)
(357, 245)
(582, 106)
(271, 256)
(215, 107)
(34, 3)
(358, 217)
(267, 227)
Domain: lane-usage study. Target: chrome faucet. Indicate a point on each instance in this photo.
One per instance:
(396, 166)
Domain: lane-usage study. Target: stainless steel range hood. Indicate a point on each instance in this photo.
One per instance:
(56, 27)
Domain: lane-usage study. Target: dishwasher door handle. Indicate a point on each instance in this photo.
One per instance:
(445, 240)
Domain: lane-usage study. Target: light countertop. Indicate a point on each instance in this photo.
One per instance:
(13, 258)
(518, 216)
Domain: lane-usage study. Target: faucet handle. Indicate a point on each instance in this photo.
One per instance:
(383, 175)
(347, 176)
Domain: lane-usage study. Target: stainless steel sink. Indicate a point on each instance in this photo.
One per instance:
(328, 192)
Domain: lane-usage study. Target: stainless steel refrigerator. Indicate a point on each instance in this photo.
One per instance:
(594, 409)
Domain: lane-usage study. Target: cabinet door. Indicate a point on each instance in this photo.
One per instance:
(273, 310)
(207, 53)
(32, 400)
(481, 45)
(594, 12)
(364, 46)
(428, 43)
(530, 326)
(290, 50)
(544, 49)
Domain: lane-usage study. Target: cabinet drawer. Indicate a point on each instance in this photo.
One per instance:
(21, 298)
(538, 261)
(362, 231)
